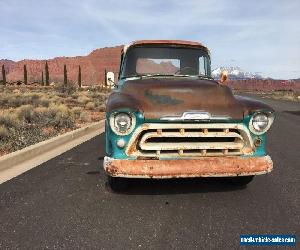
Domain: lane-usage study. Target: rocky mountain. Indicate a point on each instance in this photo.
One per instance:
(8, 64)
(93, 67)
(235, 73)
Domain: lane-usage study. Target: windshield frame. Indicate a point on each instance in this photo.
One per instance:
(125, 55)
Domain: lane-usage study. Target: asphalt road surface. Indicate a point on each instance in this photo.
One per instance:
(66, 204)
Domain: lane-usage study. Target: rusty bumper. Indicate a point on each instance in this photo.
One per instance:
(200, 167)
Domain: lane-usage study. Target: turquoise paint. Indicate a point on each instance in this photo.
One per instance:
(112, 150)
(261, 150)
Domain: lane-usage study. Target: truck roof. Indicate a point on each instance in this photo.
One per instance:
(165, 42)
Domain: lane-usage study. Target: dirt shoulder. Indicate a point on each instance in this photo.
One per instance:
(275, 95)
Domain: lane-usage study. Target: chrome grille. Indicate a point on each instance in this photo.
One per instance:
(168, 140)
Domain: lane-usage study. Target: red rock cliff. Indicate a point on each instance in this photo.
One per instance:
(92, 67)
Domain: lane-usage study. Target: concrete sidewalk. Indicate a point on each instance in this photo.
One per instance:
(16, 163)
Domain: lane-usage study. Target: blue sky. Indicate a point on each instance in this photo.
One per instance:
(258, 35)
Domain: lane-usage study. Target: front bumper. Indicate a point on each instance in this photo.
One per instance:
(200, 167)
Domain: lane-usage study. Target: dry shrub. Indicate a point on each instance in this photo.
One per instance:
(54, 99)
(102, 107)
(90, 106)
(26, 113)
(15, 100)
(4, 99)
(44, 102)
(98, 96)
(31, 115)
(83, 99)
(76, 111)
(75, 95)
(62, 116)
(47, 131)
(41, 115)
(9, 120)
(4, 133)
(68, 89)
(85, 117)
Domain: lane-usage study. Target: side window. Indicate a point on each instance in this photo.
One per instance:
(202, 65)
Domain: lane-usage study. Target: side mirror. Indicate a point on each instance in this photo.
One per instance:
(110, 79)
(224, 77)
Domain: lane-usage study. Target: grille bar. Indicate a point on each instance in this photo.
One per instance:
(188, 154)
(191, 145)
(189, 140)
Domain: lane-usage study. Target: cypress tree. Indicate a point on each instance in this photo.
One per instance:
(47, 74)
(79, 76)
(43, 78)
(25, 74)
(65, 75)
(105, 78)
(3, 75)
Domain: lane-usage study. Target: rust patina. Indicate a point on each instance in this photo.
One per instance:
(204, 167)
(181, 43)
(168, 96)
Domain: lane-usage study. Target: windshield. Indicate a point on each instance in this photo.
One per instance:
(166, 61)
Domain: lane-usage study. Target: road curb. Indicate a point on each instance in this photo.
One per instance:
(22, 160)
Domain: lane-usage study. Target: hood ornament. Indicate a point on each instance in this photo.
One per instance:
(194, 115)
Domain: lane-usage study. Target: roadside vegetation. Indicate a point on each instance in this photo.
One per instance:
(29, 115)
(287, 95)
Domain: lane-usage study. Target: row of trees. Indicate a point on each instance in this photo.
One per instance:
(46, 82)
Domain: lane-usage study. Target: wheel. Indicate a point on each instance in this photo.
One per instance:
(240, 180)
(117, 183)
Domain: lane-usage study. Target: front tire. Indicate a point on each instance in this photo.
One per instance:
(117, 183)
(240, 180)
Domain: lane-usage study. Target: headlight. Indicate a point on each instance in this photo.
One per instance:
(122, 123)
(260, 123)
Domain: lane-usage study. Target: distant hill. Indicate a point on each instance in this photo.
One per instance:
(92, 66)
(8, 64)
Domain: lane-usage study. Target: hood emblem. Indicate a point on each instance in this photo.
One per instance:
(194, 115)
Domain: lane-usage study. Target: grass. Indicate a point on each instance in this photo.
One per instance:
(29, 115)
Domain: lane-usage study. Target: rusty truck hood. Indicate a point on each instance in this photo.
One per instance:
(161, 97)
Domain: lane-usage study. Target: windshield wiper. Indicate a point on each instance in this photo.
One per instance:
(205, 77)
(165, 75)
(155, 75)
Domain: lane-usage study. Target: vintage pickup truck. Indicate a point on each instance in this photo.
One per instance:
(168, 118)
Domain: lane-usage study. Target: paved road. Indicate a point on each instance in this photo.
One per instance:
(66, 204)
